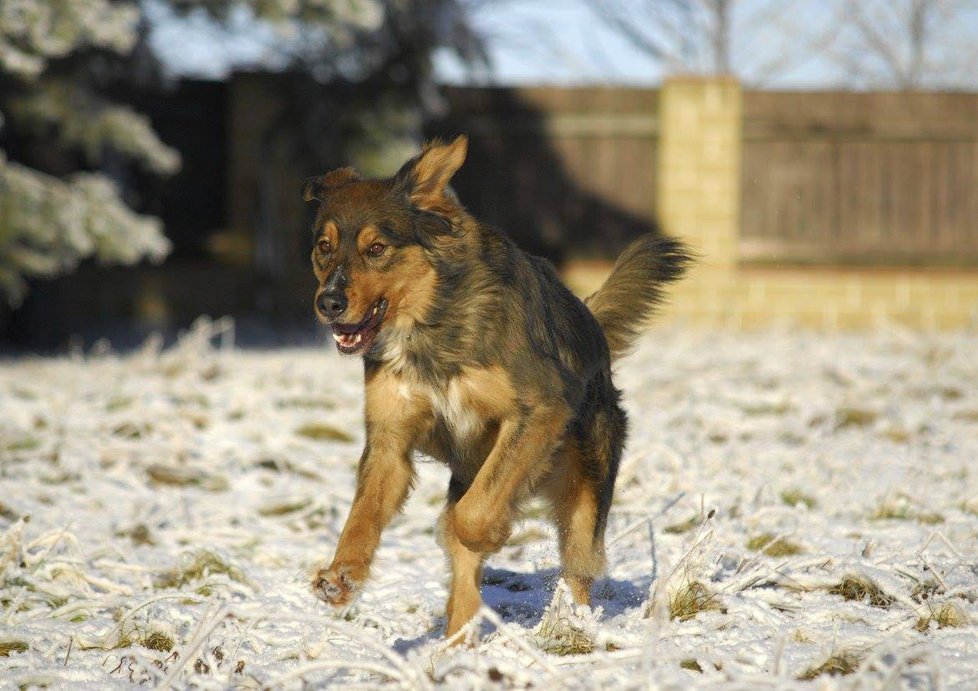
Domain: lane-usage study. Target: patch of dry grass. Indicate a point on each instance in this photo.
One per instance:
(862, 589)
(970, 506)
(157, 640)
(117, 403)
(8, 647)
(900, 508)
(561, 630)
(968, 415)
(945, 616)
(773, 546)
(925, 589)
(754, 408)
(199, 565)
(284, 508)
(800, 636)
(566, 640)
(683, 527)
(301, 402)
(691, 599)
(319, 431)
(8, 513)
(20, 444)
(173, 476)
(898, 434)
(794, 497)
(129, 634)
(849, 416)
(139, 534)
(130, 430)
(839, 664)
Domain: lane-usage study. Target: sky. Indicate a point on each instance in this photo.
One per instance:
(563, 42)
(560, 42)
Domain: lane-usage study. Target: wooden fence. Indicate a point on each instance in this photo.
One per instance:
(865, 178)
(567, 172)
(828, 177)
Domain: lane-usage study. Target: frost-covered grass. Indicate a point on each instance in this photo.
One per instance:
(791, 506)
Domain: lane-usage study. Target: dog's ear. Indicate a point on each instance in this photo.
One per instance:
(316, 188)
(426, 176)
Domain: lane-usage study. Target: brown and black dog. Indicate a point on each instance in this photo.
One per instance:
(477, 355)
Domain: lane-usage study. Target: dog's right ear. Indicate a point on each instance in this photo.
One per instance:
(317, 187)
(426, 176)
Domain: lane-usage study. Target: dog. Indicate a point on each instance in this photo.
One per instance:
(475, 354)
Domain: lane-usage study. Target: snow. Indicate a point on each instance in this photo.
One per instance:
(191, 491)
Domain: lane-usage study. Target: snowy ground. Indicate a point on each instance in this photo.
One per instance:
(177, 501)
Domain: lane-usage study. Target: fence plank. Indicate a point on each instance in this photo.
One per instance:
(860, 178)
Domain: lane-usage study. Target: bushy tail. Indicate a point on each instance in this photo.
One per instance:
(635, 287)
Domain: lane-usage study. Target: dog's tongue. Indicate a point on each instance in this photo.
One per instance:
(348, 340)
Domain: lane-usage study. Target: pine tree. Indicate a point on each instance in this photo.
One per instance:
(59, 63)
(373, 60)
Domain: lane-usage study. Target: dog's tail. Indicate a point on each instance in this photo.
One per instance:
(636, 287)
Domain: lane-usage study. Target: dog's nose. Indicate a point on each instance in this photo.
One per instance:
(331, 305)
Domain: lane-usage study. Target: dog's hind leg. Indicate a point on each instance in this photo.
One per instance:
(575, 506)
(580, 492)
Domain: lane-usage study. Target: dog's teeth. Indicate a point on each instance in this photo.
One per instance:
(357, 339)
(338, 337)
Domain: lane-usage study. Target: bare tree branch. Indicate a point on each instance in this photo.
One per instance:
(910, 44)
(624, 23)
(697, 35)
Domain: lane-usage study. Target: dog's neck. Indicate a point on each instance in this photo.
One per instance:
(431, 347)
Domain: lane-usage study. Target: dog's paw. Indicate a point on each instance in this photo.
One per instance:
(340, 583)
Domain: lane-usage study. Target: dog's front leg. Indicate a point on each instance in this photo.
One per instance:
(383, 483)
(384, 479)
(482, 518)
(464, 598)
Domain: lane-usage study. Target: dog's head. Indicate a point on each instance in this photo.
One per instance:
(372, 243)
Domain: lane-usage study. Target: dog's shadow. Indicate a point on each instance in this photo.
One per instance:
(522, 598)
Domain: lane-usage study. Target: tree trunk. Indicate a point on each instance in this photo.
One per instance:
(721, 36)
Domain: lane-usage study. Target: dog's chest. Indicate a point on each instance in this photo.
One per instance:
(458, 401)
(452, 404)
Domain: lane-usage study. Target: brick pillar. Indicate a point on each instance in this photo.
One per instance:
(698, 194)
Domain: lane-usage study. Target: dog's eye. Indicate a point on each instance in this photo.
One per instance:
(324, 246)
(376, 249)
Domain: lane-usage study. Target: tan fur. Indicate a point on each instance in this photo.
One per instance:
(435, 167)
(384, 478)
(574, 510)
(412, 290)
(464, 598)
(331, 234)
(483, 518)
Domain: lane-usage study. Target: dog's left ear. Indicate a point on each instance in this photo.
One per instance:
(427, 175)
(317, 187)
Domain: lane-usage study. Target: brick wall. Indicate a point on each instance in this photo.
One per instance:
(698, 198)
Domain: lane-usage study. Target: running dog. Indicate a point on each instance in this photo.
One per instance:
(475, 354)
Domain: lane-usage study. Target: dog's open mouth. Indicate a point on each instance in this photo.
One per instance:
(353, 339)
